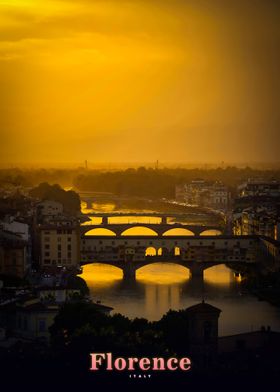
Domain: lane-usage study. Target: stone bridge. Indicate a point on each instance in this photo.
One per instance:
(159, 229)
(129, 268)
(195, 253)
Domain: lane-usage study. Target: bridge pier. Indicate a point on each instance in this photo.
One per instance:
(196, 270)
(164, 220)
(197, 232)
(129, 272)
(105, 220)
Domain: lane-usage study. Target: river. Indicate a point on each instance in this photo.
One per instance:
(162, 286)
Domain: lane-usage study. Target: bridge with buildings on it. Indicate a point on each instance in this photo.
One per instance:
(129, 253)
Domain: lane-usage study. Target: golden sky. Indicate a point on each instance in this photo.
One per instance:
(139, 80)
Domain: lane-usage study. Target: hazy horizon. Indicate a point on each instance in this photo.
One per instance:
(135, 165)
(136, 81)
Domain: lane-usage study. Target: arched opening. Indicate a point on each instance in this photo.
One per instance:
(100, 232)
(162, 273)
(99, 275)
(218, 274)
(139, 230)
(151, 251)
(177, 251)
(163, 252)
(211, 232)
(178, 232)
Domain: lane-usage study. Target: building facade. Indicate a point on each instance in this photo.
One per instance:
(205, 194)
(59, 244)
(13, 255)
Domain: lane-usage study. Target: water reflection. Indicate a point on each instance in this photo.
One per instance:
(162, 286)
(162, 273)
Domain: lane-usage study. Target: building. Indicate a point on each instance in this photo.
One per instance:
(259, 187)
(21, 229)
(57, 295)
(27, 319)
(219, 196)
(59, 244)
(13, 255)
(262, 220)
(204, 194)
(203, 335)
(48, 208)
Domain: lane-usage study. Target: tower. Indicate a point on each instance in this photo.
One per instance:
(203, 335)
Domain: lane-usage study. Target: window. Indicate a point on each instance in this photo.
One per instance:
(47, 254)
(58, 239)
(69, 255)
(59, 255)
(42, 325)
(69, 247)
(47, 239)
(69, 239)
(47, 261)
(47, 232)
(59, 231)
(69, 231)
(59, 247)
(47, 246)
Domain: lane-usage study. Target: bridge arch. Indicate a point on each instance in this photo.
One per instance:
(211, 232)
(157, 272)
(99, 231)
(178, 232)
(101, 271)
(141, 230)
(218, 273)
